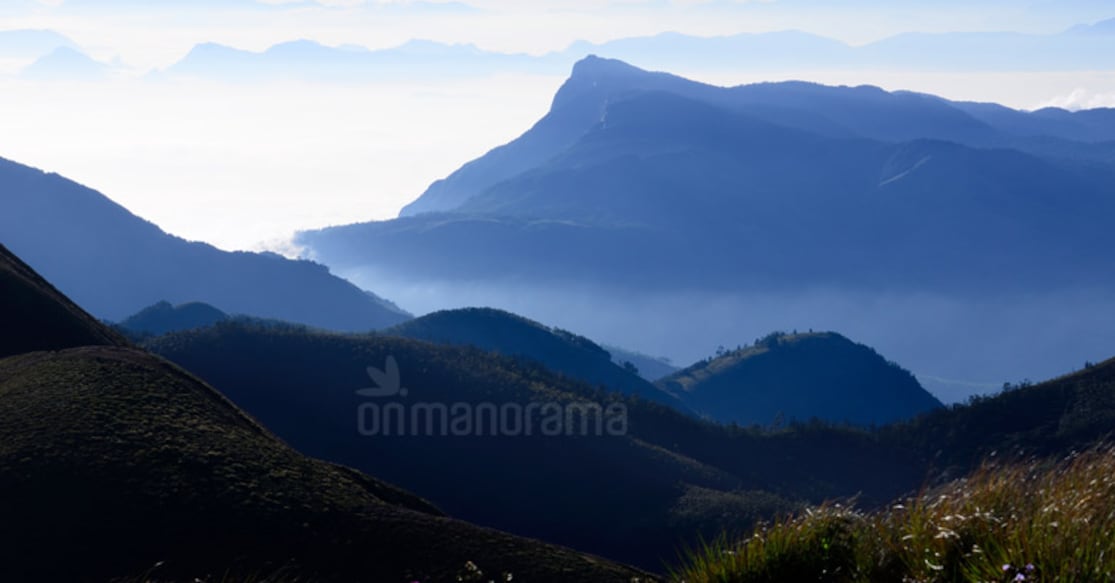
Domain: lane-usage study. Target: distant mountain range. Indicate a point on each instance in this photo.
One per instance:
(646, 187)
(632, 176)
(1083, 48)
(128, 466)
(788, 377)
(1086, 47)
(113, 263)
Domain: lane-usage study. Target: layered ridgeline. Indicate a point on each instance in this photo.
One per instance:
(116, 463)
(558, 350)
(647, 179)
(894, 217)
(787, 377)
(631, 483)
(1031, 513)
(113, 263)
(635, 495)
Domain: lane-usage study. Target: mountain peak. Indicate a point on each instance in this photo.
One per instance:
(594, 67)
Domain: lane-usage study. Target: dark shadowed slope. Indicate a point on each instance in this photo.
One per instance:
(113, 263)
(633, 495)
(801, 377)
(35, 316)
(558, 350)
(163, 317)
(1047, 419)
(114, 462)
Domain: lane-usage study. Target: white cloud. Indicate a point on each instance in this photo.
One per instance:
(1080, 99)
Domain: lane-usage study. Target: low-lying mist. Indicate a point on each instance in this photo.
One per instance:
(956, 346)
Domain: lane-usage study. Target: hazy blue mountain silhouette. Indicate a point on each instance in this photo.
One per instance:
(1085, 47)
(633, 176)
(68, 64)
(787, 377)
(512, 335)
(649, 367)
(165, 317)
(113, 263)
(306, 59)
(30, 44)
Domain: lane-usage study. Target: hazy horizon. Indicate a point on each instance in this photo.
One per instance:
(243, 164)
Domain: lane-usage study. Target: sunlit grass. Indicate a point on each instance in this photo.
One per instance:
(1036, 522)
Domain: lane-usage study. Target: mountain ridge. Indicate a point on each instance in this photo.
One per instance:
(114, 263)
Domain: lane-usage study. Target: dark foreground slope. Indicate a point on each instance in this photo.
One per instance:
(37, 317)
(114, 462)
(114, 263)
(801, 376)
(513, 335)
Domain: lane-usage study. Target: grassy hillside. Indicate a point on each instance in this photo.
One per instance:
(801, 376)
(36, 316)
(1034, 522)
(506, 333)
(117, 463)
(1050, 418)
(1011, 515)
(116, 460)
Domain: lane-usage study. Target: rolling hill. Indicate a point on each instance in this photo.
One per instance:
(638, 494)
(116, 463)
(161, 318)
(558, 350)
(633, 495)
(799, 377)
(113, 263)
